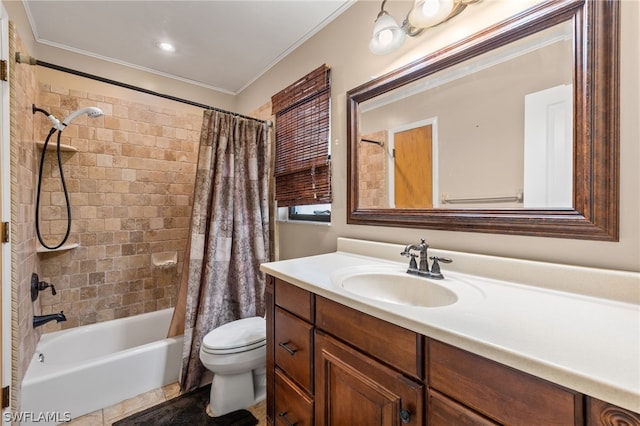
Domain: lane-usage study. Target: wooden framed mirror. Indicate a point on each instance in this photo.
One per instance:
(588, 206)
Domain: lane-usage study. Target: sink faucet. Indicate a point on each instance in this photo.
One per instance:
(422, 268)
(39, 320)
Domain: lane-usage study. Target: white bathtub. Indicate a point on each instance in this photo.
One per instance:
(91, 367)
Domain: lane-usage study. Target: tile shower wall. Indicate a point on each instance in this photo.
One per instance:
(23, 88)
(130, 185)
(372, 172)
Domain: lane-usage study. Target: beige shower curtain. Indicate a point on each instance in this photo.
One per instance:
(229, 235)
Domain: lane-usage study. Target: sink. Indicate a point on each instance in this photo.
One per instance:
(394, 285)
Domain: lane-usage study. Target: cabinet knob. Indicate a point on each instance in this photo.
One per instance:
(284, 345)
(405, 416)
(283, 414)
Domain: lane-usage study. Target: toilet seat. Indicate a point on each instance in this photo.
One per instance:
(235, 337)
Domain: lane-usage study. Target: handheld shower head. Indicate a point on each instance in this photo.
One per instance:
(92, 112)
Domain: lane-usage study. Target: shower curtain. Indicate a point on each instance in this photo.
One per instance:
(229, 235)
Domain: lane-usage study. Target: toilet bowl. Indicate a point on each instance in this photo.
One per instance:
(236, 354)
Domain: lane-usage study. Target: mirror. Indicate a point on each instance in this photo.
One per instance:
(491, 131)
(513, 130)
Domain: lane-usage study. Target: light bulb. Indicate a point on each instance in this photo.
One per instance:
(387, 35)
(430, 8)
(427, 13)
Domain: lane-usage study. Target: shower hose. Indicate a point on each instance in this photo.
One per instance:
(64, 186)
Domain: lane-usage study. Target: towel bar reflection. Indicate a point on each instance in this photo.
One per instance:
(508, 199)
(379, 143)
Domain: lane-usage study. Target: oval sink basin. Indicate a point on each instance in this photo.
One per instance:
(395, 287)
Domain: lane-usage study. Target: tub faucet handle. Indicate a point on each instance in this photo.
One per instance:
(42, 285)
(37, 286)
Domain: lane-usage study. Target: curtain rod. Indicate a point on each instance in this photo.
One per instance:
(140, 89)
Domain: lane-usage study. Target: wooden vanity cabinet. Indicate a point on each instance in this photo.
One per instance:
(334, 365)
(328, 364)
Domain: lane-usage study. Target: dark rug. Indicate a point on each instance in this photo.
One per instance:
(188, 410)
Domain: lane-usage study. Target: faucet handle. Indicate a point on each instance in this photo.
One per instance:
(435, 266)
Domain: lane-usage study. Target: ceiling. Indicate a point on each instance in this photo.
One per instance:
(223, 45)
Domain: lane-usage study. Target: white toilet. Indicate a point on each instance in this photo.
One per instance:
(236, 354)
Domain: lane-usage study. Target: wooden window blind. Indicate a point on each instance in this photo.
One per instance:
(302, 165)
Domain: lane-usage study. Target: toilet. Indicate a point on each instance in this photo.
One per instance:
(236, 354)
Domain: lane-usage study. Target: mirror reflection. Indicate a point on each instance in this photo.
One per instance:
(492, 132)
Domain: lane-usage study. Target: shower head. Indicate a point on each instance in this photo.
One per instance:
(92, 112)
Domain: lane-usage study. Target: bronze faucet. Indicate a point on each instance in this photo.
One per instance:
(422, 268)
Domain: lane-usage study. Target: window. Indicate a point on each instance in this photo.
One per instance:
(302, 133)
(315, 212)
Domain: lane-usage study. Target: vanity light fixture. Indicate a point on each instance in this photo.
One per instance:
(388, 36)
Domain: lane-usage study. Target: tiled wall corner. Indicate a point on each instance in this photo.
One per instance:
(23, 90)
(372, 172)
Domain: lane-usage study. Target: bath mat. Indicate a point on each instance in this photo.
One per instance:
(187, 410)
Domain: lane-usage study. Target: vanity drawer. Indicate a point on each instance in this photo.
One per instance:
(294, 347)
(394, 345)
(292, 405)
(499, 392)
(442, 411)
(294, 299)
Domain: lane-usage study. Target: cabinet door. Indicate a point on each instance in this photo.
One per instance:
(354, 389)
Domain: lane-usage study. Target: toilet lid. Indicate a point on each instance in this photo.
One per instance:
(240, 335)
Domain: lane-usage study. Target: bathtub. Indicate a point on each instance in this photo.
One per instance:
(74, 372)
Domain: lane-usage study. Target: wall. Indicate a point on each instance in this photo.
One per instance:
(343, 45)
(130, 186)
(23, 89)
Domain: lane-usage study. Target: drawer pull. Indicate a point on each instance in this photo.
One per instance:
(405, 416)
(284, 346)
(283, 414)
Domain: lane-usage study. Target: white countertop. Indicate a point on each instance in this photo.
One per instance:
(587, 343)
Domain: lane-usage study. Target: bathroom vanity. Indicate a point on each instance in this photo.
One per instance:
(339, 355)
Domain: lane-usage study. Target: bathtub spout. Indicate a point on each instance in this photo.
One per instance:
(39, 320)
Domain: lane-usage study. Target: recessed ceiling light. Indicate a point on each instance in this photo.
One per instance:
(167, 47)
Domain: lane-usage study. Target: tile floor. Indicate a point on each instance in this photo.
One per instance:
(107, 416)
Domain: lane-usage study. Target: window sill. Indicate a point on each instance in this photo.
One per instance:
(306, 222)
